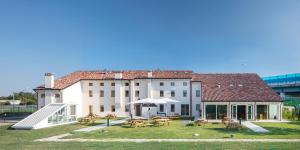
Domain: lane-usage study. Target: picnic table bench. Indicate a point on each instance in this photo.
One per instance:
(200, 122)
(162, 121)
(233, 125)
(137, 123)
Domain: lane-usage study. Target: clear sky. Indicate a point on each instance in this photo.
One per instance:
(61, 36)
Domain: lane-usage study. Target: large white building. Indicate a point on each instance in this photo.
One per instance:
(208, 96)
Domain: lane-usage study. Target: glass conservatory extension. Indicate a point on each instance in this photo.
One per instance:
(64, 115)
(240, 111)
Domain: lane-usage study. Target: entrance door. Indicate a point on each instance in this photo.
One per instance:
(138, 110)
(241, 112)
(185, 110)
(90, 109)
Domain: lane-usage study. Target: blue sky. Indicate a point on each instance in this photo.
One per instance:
(61, 36)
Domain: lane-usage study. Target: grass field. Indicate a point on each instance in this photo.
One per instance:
(210, 131)
(24, 139)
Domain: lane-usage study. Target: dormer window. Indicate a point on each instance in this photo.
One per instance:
(240, 85)
(231, 85)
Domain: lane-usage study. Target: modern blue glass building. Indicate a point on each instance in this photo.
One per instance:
(288, 86)
(283, 80)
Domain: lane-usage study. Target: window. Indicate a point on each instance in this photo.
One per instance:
(126, 84)
(185, 109)
(42, 95)
(221, 111)
(101, 84)
(172, 93)
(184, 83)
(172, 83)
(72, 110)
(126, 93)
(161, 93)
(57, 95)
(127, 108)
(90, 93)
(172, 107)
(184, 93)
(198, 107)
(101, 108)
(112, 84)
(197, 93)
(161, 83)
(113, 108)
(101, 93)
(161, 108)
(210, 111)
(137, 93)
(90, 84)
(137, 84)
(112, 93)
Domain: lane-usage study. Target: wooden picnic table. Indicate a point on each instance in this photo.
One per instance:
(233, 125)
(162, 121)
(137, 123)
(200, 122)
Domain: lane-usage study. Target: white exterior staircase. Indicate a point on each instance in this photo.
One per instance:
(39, 118)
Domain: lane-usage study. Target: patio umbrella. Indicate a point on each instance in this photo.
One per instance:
(169, 100)
(148, 102)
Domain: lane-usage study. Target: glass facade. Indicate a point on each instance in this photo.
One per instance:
(210, 111)
(221, 111)
(262, 112)
(64, 115)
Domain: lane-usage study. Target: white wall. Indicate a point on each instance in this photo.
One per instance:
(79, 94)
(196, 100)
(73, 95)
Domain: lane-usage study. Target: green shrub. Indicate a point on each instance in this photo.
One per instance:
(289, 114)
(190, 124)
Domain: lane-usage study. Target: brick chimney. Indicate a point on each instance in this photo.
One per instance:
(49, 80)
(118, 75)
(149, 74)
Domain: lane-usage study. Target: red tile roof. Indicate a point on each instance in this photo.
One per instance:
(215, 87)
(235, 88)
(74, 77)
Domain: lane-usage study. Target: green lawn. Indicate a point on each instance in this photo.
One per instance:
(24, 139)
(178, 130)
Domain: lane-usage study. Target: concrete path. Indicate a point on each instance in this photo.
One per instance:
(101, 126)
(254, 127)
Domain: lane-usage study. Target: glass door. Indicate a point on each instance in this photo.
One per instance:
(233, 112)
(185, 110)
(250, 112)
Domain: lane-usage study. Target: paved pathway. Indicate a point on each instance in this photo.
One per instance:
(101, 126)
(254, 127)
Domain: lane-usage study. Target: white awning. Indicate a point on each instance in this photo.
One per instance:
(155, 101)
